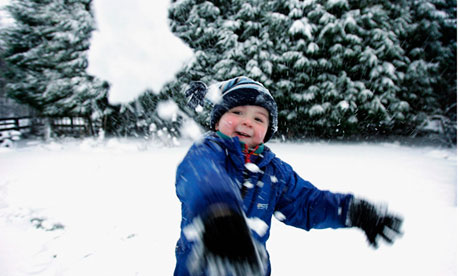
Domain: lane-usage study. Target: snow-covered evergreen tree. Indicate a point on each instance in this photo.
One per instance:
(46, 52)
(432, 75)
(339, 67)
(140, 118)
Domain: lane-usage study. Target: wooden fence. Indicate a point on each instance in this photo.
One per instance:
(60, 126)
(18, 123)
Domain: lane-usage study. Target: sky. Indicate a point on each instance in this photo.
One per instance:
(133, 48)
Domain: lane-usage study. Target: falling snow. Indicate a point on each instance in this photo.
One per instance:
(253, 168)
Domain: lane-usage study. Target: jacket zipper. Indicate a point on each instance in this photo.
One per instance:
(246, 173)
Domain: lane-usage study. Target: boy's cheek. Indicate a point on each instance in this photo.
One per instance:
(223, 123)
(261, 134)
(228, 123)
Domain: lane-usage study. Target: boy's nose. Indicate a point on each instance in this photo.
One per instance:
(247, 122)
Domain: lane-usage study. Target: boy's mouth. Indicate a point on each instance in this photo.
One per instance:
(239, 133)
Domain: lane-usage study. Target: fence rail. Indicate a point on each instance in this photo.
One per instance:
(60, 126)
(16, 123)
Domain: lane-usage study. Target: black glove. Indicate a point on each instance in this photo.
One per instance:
(374, 221)
(227, 238)
(196, 93)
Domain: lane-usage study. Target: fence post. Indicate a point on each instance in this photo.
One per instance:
(48, 128)
(90, 126)
(16, 123)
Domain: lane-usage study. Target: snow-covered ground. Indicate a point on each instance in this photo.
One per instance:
(109, 208)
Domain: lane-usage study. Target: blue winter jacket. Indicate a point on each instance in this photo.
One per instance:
(213, 171)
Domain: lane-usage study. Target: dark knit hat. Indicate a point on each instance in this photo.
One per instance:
(245, 91)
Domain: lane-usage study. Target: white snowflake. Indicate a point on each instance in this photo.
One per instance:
(279, 216)
(257, 225)
(253, 168)
(248, 185)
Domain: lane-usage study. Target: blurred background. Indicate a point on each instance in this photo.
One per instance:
(339, 70)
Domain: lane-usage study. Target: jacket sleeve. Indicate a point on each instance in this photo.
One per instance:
(305, 206)
(202, 180)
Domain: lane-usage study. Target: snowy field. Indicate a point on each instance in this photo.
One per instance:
(109, 208)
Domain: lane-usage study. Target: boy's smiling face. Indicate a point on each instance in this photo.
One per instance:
(248, 122)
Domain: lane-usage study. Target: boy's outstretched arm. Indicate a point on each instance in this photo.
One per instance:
(374, 221)
(305, 206)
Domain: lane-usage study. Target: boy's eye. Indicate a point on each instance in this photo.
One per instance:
(260, 120)
(237, 112)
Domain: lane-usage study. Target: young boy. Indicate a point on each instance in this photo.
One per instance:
(230, 184)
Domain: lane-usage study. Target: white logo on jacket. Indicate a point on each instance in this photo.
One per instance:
(263, 206)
